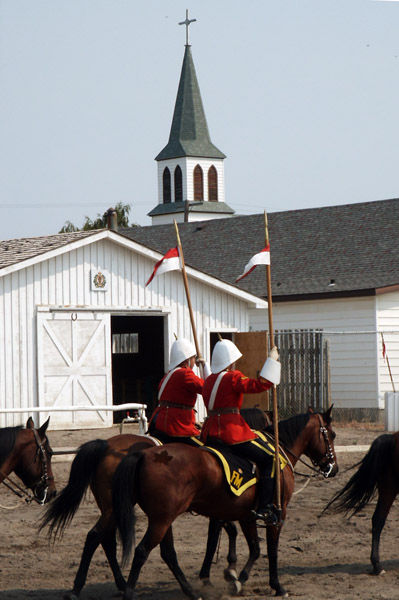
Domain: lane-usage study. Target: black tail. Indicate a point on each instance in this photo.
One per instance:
(362, 485)
(62, 510)
(124, 497)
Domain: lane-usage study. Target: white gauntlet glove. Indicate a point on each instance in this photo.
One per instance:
(271, 370)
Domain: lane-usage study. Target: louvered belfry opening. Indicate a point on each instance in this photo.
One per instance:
(166, 186)
(212, 184)
(178, 184)
(198, 184)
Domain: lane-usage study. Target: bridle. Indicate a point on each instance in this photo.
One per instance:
(325, 468)
(42, 482)
(329, 455)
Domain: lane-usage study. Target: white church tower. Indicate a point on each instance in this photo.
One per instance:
(190, 167)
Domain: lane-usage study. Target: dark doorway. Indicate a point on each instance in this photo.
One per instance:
(137, 360)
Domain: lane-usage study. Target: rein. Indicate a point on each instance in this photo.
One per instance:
(21, 492)
(316, 467)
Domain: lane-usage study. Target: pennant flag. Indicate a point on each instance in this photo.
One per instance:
(169, 262)
(384, 349)
(262, 258)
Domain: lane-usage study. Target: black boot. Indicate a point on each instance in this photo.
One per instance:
(266, 510)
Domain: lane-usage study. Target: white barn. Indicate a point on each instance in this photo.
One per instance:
(79, 327)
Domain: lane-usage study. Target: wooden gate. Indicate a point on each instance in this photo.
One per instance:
(304, 356)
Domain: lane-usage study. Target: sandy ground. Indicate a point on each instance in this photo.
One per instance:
(324, 557)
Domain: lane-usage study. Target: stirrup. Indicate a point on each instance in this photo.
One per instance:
(269, 515)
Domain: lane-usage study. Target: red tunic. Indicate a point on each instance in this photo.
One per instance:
(182, 388)
(230, 427)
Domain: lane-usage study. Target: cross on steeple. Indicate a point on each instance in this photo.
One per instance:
(187, 24)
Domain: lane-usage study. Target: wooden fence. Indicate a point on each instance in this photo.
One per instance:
(305, 377)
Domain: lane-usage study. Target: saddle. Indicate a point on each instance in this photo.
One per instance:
(239, 473)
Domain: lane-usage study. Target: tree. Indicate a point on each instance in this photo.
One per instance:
(101, 222)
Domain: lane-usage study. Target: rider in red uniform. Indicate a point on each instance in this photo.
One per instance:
(223, 396)
(174, 418)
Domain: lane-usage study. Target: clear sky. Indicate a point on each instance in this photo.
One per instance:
(301, 95)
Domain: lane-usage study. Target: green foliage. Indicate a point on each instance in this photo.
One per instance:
(101, 222)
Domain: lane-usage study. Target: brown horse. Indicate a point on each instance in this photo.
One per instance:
(27, 453)
(169, 480)
(94, 465)
(378, 471)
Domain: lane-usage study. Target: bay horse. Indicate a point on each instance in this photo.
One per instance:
(94, 466)
(378, 472)
(27, 453)
(169, 480)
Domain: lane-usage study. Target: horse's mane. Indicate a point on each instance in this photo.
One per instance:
(8, 435)
(255, 417)
(289, 429)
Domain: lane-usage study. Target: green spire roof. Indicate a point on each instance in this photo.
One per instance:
(189, 135)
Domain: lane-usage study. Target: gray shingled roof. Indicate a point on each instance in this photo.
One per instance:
(194, 207)
(189, 135)
(355, 245)
(15, 251)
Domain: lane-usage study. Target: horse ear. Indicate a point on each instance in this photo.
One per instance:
(310, 409)
(43, 428)
(30, 424)
(327, 415)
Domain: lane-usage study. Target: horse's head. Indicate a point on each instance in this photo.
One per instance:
(34, 461)
(321, 445)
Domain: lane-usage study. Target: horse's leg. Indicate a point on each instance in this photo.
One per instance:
(108, 543)
(272, 536)
(250, 532)
(230, 573)
(214, 530)
(154, 535)
(93, 540)
(168, 554)
(385, 501)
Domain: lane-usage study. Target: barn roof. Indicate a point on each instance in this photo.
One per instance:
(18, 250)
(341, 250)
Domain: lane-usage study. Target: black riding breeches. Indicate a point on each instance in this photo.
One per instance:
(257, 451)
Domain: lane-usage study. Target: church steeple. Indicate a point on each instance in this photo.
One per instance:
(189, 134)
(190, 166)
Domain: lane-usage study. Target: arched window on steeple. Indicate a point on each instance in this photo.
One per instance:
(212, 184)
(198, 184)
(167, 188)
(178, 185)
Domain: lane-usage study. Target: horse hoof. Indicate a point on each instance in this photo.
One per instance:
(207, 582)
(235, 587)
(230, 575)
(70, 596)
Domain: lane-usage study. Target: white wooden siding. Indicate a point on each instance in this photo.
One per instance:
(63, 282)
(354, 373)
(388, 322)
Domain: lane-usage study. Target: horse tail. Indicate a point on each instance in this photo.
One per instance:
(62, 510)
(124, 497)
(360, 488)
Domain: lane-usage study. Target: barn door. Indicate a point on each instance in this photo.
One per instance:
(74, 366)
(253, 345)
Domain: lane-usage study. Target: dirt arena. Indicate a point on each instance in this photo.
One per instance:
(320, 558)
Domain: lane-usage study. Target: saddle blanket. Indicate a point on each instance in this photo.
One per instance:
(240, 473)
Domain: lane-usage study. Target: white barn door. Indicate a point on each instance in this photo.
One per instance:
(74, 367)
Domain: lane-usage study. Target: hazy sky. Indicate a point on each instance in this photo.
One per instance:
(301, 95)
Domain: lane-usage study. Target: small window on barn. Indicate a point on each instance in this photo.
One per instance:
(125, 343)
(178, 185)
(198, 184)
(166, 183)
(212, 184)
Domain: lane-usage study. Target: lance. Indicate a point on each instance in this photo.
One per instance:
(190, 308)
(274, 389)
(385, 355)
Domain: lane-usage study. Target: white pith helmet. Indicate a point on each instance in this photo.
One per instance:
(224, 354)
(180, 351)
